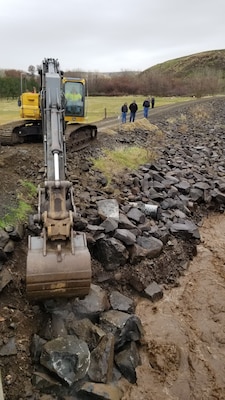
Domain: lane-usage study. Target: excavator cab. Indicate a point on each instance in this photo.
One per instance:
(79, 132)
(58, 261)
(74, 90)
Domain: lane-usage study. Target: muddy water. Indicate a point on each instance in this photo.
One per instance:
(183, 356)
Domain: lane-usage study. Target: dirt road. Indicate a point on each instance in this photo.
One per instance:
(184, 354)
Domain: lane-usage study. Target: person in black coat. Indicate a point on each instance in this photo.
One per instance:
(146, 106)
(153, 102)
(124, 110)
(133, 109)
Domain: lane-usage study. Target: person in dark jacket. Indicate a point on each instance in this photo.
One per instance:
(153, 102)
(124, 111)
(133, 109)
(146, 106)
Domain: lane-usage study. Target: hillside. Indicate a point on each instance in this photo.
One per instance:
(185, 67)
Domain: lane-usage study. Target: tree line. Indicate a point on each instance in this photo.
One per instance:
(205, 82)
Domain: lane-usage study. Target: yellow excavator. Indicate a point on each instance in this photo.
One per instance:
(58, 260)
(78, 132)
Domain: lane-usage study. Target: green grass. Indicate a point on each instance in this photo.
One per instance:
(25, 197)
(30, 189)
(9, 111)
(120, 160)
(100, 107)
(115, 162)
(15, 215)
(97, 107)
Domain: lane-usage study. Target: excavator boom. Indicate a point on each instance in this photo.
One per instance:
(58, 261)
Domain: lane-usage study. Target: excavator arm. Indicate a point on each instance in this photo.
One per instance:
(58, 261)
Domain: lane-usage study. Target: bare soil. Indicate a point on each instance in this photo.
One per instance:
(183, 349)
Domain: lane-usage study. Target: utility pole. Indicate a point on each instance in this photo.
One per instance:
(21, 81)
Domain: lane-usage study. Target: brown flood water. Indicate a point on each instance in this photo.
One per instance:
(183, 356)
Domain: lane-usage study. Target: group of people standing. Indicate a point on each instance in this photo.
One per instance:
(133, 107)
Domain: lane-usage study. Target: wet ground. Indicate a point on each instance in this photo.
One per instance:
(184, 352)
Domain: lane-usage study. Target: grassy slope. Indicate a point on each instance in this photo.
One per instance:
(188, 65)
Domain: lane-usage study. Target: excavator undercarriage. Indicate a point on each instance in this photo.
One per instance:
(78, 136)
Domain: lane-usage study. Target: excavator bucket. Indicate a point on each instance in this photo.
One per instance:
(54, 269)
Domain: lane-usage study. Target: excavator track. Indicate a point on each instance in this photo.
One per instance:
(77, 136)
(80, 136)
(7, 135)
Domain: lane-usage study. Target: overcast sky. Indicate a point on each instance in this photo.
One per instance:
(107, 35)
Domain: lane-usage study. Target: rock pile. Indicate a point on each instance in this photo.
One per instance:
(86, 344)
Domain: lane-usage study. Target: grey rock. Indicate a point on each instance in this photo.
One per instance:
(218, 196)
(111, 253)
(9, 349)
(136, 215)
(102, 358)
(17, 233)
(92, 305)
(4, 237)
(108, 209)
(68, 357)
(196, 194)
(36, 347)
(154, 291)
(3, 255)
(87, 331)
(137, 254)
(9, 247)
(123, 326)
(169, 203)
(186, 230)
(120, 302)
(57, 326)
(109, 225)
(101, 391)
(5, 277)
(125, 236)
(42, 381)
(127, 361)
(153, 245)
(158, 186)
(201, 185)
(95, 229)
(183, 187)
(125, 223)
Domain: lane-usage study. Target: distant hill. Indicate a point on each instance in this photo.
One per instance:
(185, 67)
(198, 75)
